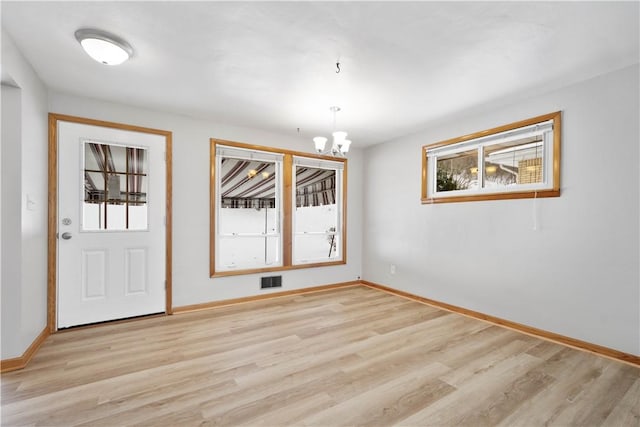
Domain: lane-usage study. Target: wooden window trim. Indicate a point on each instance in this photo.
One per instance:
(287, 202)
(554, 191)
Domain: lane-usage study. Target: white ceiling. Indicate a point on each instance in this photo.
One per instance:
(271, 65)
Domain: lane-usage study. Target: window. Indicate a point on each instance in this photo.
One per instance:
(520, 160)
(115, 187)
(317, 214)
(249, 209)
(274, 209)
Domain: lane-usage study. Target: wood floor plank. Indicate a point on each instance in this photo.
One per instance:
(627, 411)
(508, 399)
(388, 401)
(477, 394)
(352, 356)
(605, 393)
(545, 408)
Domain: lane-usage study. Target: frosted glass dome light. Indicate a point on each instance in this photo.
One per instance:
(104, 47)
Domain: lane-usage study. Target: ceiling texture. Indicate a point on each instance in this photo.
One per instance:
(272, 65)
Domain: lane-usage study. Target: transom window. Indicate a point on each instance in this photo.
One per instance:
(519, 160)
(274, 209)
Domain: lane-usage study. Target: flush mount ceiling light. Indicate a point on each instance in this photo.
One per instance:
(104, 47)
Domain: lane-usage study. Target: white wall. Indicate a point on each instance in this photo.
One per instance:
(191, 282)
(10, 224)
(577, 274)
(24, 233)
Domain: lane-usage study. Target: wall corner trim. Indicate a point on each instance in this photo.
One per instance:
(8, 365)
(518, 327)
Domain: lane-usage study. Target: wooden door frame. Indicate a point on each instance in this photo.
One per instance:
(52, 256)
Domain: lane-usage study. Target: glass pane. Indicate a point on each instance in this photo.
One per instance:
(247, 197)
(138, 189)
(116, 158)
(93, 187)
(514, 162)
(114, 191)
(317, 248)
(238, 252)
(316, 215)
(316, 219)
(138, 217)
(115, 187)
(116, 217)
(137, 185)
(248, 212)
(315, 187)
(247, 221)
(457, 171)
(92, 216)
(316, 208)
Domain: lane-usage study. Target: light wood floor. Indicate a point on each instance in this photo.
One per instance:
(352, 356)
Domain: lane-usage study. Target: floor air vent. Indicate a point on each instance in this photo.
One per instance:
(271, 282)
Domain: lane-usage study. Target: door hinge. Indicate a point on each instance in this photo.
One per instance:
(165, 285)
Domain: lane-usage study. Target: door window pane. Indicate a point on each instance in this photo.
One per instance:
(115, 187)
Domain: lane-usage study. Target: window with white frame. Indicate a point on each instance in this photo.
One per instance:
(248, 209)
(514, 161)
(317, 216)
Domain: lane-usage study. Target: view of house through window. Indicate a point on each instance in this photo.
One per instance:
(115, 187)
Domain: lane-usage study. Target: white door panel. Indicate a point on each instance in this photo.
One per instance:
(106, 271)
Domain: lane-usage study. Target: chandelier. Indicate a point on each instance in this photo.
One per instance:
(340, 145)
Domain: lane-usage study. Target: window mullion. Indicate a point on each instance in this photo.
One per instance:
(481, 168)
(288, 204)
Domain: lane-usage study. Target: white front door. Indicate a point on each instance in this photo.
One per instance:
(111, 224)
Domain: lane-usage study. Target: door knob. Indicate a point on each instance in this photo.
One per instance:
(66, 235)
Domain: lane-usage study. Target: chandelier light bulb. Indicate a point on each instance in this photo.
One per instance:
(339, 136)
(344, 148)
(320, 142)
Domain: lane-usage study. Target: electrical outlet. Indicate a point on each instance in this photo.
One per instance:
(392, 269)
